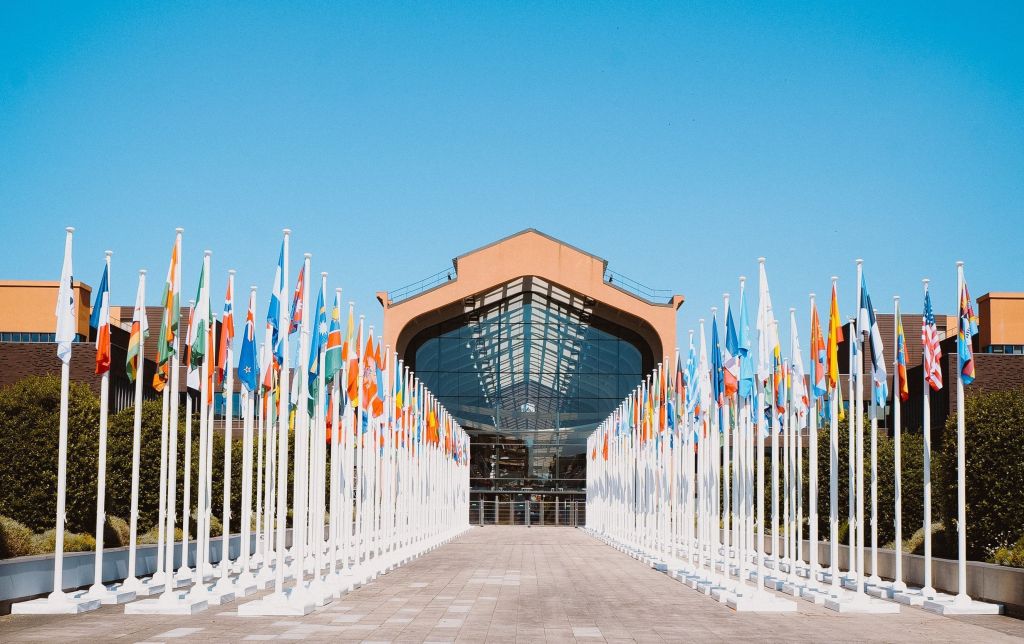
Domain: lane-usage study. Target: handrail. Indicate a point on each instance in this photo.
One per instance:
(425, 284)
(636, 288)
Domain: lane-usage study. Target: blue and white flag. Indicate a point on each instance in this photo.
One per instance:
(868, 324)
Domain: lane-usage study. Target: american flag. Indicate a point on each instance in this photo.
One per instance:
(930, 346)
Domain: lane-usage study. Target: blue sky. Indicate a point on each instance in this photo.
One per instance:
(678, 142)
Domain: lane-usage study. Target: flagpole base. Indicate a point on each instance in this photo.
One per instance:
(108, 595)
(962, 606)
(180, 604)
(286, 604)
(761, 602)
(861, 603)
(141, 587)
(55, 604)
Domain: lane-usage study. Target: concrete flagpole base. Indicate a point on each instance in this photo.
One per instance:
(213, 595)
(860, 603)
(55, 604)
(760, 601)
(961, 605)
(108, 595)
(177, 604)
(141, 587)
(917, 597)
(286, 604)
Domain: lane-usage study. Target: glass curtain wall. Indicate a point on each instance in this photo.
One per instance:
(528, 372)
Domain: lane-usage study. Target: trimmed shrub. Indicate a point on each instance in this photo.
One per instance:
(15, 538)
(46, 542)
(1010, 556)
(116, 532)
(995, 469)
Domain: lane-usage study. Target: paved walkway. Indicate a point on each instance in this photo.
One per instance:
(515, 584)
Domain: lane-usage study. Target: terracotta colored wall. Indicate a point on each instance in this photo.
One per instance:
(29, 306)
(1002, 318)
(529, 253)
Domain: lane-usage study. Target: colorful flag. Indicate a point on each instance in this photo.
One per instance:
(968, 326)
(835, 336)
(746, 383)
(167, 345)
(350, 352)
(332, 360)
(274, 311)
(297, 303)
(317, 342)
(199, 327)
(369, 393)
(100, 320)
(819, 380)
(800, 401)
(248, 369)
(868, 323)
(902, 389)
(930, 346)
(227, 333)
(717, 371)
(140, 331)
(730, 356)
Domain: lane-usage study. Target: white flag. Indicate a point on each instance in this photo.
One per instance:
(766, 327)
(65, 311)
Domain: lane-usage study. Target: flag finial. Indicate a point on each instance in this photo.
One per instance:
(231, 271)
(70, 229)
(959, 264)
(743, 280)
(108, 253)
(811, 295)
(307, 255)
(323, 274)
(792, 309)
(252, 287)
(895, 298)
(142, 271)
(286, 231)
(762, 260)
(207, 253)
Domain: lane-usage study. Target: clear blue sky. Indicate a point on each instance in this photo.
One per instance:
(680, 143)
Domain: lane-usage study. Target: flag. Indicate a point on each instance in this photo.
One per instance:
(769, 360)
(248, 369)
(930, 346)
(968, 326)
(167, 345)
(690, 381)
(140, 331)
(317, 342)
(100, 320)
(332, 360)
(868, 322)
(369, 393)
(296, 310)
(819, 380)
(800, 400)
(745, 387)
(350, 352)
(227, 333)
(274, 310)
(730, 357)
(65, 309)
(902, 389)
(717, 371)
(835, 336)
(199, 327)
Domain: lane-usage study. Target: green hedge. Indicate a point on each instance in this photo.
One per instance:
(994, 439)
(29, 417)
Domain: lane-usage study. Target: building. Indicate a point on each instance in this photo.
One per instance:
(530, 343)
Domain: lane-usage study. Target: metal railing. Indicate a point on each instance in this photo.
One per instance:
(636, 288)
(569, 513)
(425, 284)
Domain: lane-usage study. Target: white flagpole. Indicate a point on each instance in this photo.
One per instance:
(246, 578)
(812, 490)
(170, 582)
(58, 595)
(227, 390)
(859, 367)
(257, 402)
(926, 423)
(282, 428)
(186, 503)
(898, 584)
(132, 582)
(962, 598)
(98, 590)
(833, 464)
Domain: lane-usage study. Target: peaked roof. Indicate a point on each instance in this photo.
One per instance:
(527, 231)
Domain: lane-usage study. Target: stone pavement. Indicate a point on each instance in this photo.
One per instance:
(516, 584)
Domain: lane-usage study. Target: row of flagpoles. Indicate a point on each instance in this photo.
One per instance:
(396, 482)
(677, 475)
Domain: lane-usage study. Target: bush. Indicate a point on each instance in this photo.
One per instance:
(1010, 556)
(15, 538)
(46, 542)
(152, 536)
(995, 469)
(116, 533)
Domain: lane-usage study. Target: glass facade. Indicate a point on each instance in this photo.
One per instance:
(530, 372)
